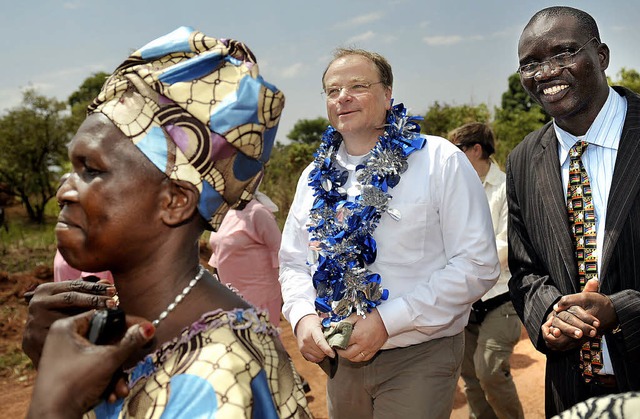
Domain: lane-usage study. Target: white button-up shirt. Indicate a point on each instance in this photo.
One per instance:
(495, 189)
(435, 261)
(598, 159)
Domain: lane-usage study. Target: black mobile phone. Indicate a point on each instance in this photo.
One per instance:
(107, 326)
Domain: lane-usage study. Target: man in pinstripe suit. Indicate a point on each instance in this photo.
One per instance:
(562, 67)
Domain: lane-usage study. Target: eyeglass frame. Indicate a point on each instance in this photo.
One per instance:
(348, 89)
(552, 62)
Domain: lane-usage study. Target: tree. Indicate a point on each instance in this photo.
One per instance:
(627, 78)
(518, 116)
(511, 126)
(33, 138)
(441, 119)
(308, 131)
(282, 173)
(288, 161)
(81, 98)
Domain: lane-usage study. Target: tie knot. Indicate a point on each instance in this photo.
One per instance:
(578, 148)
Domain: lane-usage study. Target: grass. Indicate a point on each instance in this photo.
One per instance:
(27, 244)
(14, 362)
(23, 247)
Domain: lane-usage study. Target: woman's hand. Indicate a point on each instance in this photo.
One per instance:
(73, 373)
(55, 300)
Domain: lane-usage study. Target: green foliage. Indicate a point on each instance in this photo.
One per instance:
(511, 126)
(13, 360)
(518, 116)
(516, 98)
(308, 131)
(441, 119)
(627, 78)
(26, 244)
(288, 161)
(81, 98)
(283, 170)
(33, 138)
(89, 89)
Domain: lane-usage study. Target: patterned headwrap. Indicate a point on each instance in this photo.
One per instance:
(197, 107)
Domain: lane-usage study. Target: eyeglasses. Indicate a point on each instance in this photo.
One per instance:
(553, 64)
(355, 89)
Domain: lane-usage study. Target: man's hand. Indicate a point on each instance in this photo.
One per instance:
(311, 341)
(368, 336)
(578, 316)
(55, 300)
(590, 304)
(555, 339)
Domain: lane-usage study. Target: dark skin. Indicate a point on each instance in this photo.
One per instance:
(92, 369)
(584, 88)
(573, 96)
(120, 213)
(55, 300)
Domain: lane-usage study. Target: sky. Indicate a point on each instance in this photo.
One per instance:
(453, 52)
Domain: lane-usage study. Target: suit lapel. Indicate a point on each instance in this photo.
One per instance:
(625, 184)
(553, 193)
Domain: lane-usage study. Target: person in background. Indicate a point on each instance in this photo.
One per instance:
(245, 254)
(494, 327)
(374, 242)
(178, 135)
(573, 189)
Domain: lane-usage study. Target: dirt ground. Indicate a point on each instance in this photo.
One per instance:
(16, 379)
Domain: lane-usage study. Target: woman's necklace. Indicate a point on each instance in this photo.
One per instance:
(180, 296)
(342, 230)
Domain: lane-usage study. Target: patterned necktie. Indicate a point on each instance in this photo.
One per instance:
(583, 226)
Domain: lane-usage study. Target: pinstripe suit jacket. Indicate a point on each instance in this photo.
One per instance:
(542, 260)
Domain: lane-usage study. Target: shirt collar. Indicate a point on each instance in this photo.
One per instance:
(493, 175)
(605, 130)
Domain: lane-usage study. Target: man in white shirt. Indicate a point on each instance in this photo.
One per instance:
(396, 241)
(494, 327)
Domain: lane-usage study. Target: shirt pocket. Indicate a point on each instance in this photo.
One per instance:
(401, 242)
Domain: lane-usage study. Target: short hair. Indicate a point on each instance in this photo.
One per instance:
(475, 133)
(584, 19)
(381, 63)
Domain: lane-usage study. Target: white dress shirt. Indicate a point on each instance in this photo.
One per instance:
(598, 159)
(435, 261)
(495, 188)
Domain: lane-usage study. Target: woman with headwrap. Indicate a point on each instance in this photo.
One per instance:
(178, 135)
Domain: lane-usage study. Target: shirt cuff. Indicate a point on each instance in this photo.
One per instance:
(395, 316)
(299, 311)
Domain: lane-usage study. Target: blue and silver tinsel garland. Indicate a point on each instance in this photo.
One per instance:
(341, 231)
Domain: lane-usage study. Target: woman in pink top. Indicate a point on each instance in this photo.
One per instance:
(245, 254)
(63, 272)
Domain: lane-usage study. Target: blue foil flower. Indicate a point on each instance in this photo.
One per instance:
(343, 230)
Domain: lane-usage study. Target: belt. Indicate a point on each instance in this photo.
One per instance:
(606, 381)
(495, 302)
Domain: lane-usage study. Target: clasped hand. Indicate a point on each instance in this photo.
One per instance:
(577, 317)
(56, 300)
(367, 337)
